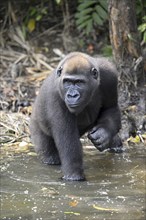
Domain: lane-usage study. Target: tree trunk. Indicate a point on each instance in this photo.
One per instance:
(125, 42)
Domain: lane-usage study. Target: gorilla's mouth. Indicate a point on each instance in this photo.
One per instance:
(73, 105)
(74, 108)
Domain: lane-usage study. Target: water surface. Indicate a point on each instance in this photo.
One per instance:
(115, 188)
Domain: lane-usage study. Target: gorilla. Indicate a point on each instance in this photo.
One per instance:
(79, 96)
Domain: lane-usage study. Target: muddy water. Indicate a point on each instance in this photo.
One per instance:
(115, 188)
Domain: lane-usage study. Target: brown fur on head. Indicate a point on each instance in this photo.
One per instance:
(76, 62)
(78, 80)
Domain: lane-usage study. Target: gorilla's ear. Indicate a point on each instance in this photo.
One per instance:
(94, 73)
(59, 71)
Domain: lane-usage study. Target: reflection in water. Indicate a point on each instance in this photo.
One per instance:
(115, 188)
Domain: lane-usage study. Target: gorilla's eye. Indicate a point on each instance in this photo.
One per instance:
(59, 70)
(67, 82)
(94, 72)
(79, 81)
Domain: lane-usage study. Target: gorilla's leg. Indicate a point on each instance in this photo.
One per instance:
(70, 152)
(45, 147)
(66, 136)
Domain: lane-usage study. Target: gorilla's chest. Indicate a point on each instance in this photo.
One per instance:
(87, 119)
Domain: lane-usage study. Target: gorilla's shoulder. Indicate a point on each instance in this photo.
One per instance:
(106, 65)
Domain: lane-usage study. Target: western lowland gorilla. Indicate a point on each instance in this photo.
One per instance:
(79, 96)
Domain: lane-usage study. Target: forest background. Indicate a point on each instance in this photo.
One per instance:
(36, 34)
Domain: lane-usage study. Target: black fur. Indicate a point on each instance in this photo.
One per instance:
(79, 96)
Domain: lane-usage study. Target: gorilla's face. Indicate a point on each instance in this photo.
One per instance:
(78, 83)
(76, 92)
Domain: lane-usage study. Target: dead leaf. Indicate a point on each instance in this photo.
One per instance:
(22, 147)
(31, 25)
(73, 203)
(74, 213)
(134, 139)
(32, 154)
(104, 209)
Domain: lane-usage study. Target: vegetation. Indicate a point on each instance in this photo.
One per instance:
(87, 15)
(91, 14)
(142, 30)
(35, 35)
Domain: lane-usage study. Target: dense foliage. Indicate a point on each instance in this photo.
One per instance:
(91, 14)
(87, 15)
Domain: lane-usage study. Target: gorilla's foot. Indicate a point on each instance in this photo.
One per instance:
(74, 177)
(50, 160)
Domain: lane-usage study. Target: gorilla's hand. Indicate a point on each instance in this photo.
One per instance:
(100, 137)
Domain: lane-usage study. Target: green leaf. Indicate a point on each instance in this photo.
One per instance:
(82, 26)
(144, 18)
(86, 11)
(142, 27)
(83, 13)
(77, 15)
(38, 17)
(144, 37)
(101, 12)
(58, 1)
(82, 19)
(97, 19)
(44, 11)
(104, 4)
(32, 11)
(107, 50)
(85, 4)
(89, 26)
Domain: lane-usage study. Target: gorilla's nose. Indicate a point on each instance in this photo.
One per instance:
(73, 94)
(73, 97)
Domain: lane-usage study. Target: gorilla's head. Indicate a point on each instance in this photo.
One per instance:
(78, 80)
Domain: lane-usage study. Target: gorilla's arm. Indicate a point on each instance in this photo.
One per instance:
(107, 127)
(109, 120)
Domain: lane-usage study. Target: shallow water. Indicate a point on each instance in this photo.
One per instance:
(115, 188)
